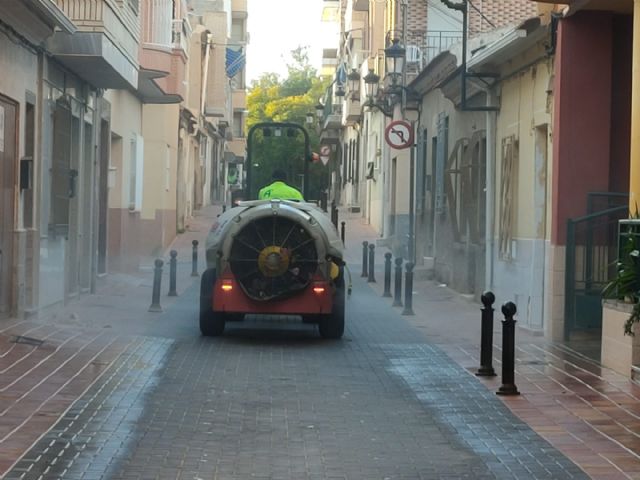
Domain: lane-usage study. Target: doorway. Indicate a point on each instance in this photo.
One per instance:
(8, 180)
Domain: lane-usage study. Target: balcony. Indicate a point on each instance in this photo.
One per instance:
(423, 46)
(163, 53)
(35, 19)
(352, 109)
(331, 121)
(239, 8)
(104, 49)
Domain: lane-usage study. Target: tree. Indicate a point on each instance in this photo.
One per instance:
(272, 99)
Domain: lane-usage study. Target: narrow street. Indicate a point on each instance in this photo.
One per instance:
(271, 399)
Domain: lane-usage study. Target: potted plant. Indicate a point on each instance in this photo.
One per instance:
(626, 284)
(620, 347)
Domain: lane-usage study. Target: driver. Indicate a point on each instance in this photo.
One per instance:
(279, 188)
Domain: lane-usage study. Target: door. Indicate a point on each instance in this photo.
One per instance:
(8, 181)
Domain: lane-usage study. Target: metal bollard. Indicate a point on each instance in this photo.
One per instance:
(486, 336)
(173, 264)
(365, 259)
(334, 214)
(397, 299)
(224, 208)
(194, 259)
(387, 274)
(157, 279)
(508, 351)
(342, 225)
(372, 261)
(408, 290)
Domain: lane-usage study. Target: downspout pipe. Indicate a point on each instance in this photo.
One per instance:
(490, 178)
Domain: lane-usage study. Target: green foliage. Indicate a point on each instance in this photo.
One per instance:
(626, 284)
(272, 99)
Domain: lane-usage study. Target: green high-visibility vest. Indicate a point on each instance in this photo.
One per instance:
(279, 190)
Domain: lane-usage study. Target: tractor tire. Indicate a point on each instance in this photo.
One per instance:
(211, 323)
(332, 326)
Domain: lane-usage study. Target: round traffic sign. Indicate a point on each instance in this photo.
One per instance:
(399, 134)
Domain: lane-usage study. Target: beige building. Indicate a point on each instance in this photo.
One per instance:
(114, 123)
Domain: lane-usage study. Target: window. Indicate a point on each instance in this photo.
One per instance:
(136, 170)
(508, 179)
(442, 152)
(238, 125)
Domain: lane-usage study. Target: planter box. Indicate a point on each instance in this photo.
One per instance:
(619, 351)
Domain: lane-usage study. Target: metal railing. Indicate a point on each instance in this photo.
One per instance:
(591, 251)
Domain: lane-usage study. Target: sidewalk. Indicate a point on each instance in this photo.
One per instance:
(49, 362)
(590, 413)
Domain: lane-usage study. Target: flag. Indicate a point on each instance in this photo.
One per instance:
(235, 60)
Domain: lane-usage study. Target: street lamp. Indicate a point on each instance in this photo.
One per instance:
(371, 85)
(354, 84)
(309, 118)
(394, 56)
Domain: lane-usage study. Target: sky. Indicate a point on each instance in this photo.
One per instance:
(278, 26)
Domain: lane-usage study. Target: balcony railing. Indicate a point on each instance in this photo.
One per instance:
(180, 34)
(422, 46)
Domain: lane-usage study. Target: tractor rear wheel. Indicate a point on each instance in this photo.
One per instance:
(332, 326)
(211, 323)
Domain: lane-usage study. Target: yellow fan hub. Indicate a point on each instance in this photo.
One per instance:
(273, 261)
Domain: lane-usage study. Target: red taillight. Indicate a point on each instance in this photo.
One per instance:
(318, 289)
(226, 286)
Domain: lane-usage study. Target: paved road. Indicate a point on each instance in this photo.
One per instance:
(271, 400)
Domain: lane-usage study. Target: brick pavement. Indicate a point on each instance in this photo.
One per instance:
(588, 412)
(48, 363)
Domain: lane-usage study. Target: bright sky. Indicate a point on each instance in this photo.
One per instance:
(278, 26)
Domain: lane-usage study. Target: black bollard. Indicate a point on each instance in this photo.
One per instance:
(365, 258)
(372, 262)
(408, 290)
(397, 299)
(224, 208)
(342, 225)
(155, 294)
(194, 257)
(486, 336)
(387, 274)
(323, 200)
(508, 351)
(334, 214)
(173, 264)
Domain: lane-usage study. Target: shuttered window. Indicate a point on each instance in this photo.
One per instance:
(508, 183)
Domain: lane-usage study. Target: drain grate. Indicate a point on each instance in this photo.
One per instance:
(27, 340)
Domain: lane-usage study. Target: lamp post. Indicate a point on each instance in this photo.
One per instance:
(394, 94)
(394, 56)
(354, 84)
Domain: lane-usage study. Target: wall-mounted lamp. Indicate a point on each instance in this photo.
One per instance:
(354, 84)
(394, 56)
(372, 87)
(309, 117)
